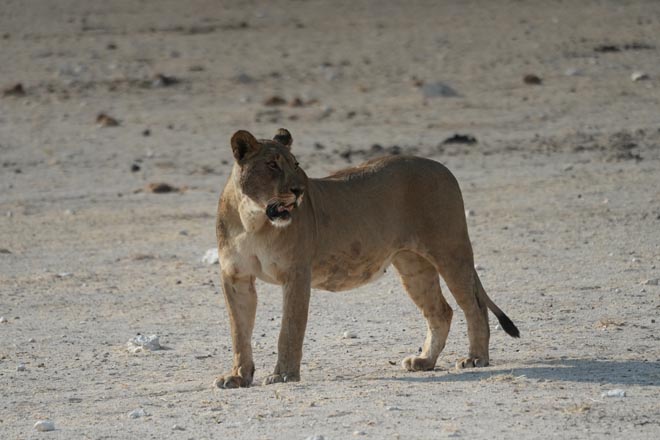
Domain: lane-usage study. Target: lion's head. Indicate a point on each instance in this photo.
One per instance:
(269, 174)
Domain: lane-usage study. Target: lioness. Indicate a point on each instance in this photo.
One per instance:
(337, 233)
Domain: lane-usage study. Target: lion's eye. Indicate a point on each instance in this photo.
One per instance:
(273, 165)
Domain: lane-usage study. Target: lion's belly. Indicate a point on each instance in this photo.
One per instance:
(335, 274)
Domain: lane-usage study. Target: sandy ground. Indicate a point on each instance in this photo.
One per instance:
(563, 181)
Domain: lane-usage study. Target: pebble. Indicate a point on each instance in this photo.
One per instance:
(436, 89)
(161, 80)
(137, 413)
(469, 213)
(349, 335)
(639, 76)
(17, 90)
(21, 367)
(211, 257)
(532, 79)
(3, 320)
(44, 425)
(31, 340)
(614, 393)
(393, 408)
(178, 428)
(571, 71)
(478, 267)
(649, 282)
(356, 433)
(104, 120)
(161, 188)
(635, 260)
(144, 343)
(315, 437)
(617, 290)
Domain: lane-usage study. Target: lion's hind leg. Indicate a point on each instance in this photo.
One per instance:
(421, 280)
(461, 278)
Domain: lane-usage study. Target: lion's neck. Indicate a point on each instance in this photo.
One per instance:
(242, 212)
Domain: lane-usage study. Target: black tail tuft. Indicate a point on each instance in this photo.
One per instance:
(508, 325)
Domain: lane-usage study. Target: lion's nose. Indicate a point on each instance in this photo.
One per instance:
(297, 191)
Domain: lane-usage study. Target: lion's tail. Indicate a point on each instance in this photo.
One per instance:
(504, 320)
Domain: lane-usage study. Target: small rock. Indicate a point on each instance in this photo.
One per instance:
(357, 433)
(438, 89)
(142, 343)
(161, 188)
(315, 437)
(275, 101)
(21, 367)
(44, 425)
(605, 48)
(651, 282)
(478, 267)
(571, 71)
(137, 413)
(32, 340)
(69, 212)
(469, 213)
(460, 139)
(393, 408)
(104, 120)
(146, 132)
(244, 78)
(178, 428)
(135, 168)
(296, 102)
(614, 393)
(639, 76)
(3, 320)
(17, 91)
(532, 80)
(635, 260)
(211, 257)
(161, 80)
(349, 335)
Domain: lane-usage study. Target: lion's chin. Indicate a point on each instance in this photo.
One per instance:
(279, 214)
(280, 222)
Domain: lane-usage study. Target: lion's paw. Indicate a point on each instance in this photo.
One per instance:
(232, 381)
(279, 378)
(417, 363)
(471, 362)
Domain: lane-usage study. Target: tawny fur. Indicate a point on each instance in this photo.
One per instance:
(343, 232)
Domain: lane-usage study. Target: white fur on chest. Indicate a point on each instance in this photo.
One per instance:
(247, 257)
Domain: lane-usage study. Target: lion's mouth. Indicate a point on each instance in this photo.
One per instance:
(279, 211)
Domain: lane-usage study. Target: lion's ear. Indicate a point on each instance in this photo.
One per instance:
(244, 145)
(283, 137)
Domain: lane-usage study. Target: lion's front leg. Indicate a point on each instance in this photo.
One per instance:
(296, 292)
(241, 301)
